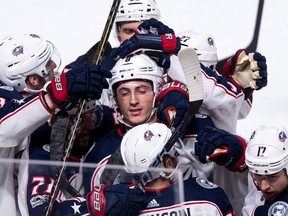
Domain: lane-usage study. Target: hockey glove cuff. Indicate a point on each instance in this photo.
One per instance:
(116, 199)
(83, 82)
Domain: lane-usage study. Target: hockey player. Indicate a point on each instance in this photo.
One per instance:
(140, 150)
(26, 64)
(139, 147)
(134, 85)
(35, 178)
(130, 14)
(234, 183)
(267, 159)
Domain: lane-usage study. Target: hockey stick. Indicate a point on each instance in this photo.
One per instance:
(77, 120)
(253, 44)
(59, 128)
(191, 67)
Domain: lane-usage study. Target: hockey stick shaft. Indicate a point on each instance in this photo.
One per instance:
(77, 120)
(191, 67)
(252, 47)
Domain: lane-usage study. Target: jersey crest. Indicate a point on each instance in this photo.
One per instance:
(278, 209)
(205, 183)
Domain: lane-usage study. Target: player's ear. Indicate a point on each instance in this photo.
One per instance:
(169, 162)
(31, 80)
(34, 81)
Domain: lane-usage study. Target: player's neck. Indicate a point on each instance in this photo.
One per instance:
(158, 184)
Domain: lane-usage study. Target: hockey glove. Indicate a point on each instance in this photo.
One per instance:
(172, 103)
(149, 44)
(223, 148)
(117, 200)
(153, 26)
(82, 82)
(248, 70)
(171, 43)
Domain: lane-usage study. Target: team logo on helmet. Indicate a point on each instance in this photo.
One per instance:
(205, 183)
(278, 209)
(210, 41)
(282, 136)
(17, 50)
(148, 135)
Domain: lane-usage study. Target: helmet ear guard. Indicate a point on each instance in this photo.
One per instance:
(203, 44)
(267, 150)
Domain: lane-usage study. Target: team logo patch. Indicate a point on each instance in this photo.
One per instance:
(282, 136)
(148, 135)
(17, 50)
(278, 209)
(205, 183)
(210, 41)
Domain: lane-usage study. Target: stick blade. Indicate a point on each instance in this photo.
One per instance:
(192, 71)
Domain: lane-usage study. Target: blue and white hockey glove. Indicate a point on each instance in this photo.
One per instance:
(172, 103)
(249, 70)
(117, 200)
(222, 147)
(82, 82)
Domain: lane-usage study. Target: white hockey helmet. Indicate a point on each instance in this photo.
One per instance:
(141, 144)
(135, 67)
(267, 150)
(136, 10)
(203, 44)
(22, 55)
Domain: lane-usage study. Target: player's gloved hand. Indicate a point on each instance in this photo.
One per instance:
(153, 26)
(117, 200)
(82, 82)
(172, 103)
(171, 43)
(149, 44)
(221, 147)
(248, 70)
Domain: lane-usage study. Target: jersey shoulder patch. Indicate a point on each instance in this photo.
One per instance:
(278, 208)
(206, 183)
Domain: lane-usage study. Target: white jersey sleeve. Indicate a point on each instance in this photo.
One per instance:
(223, 101)
(20, 118)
